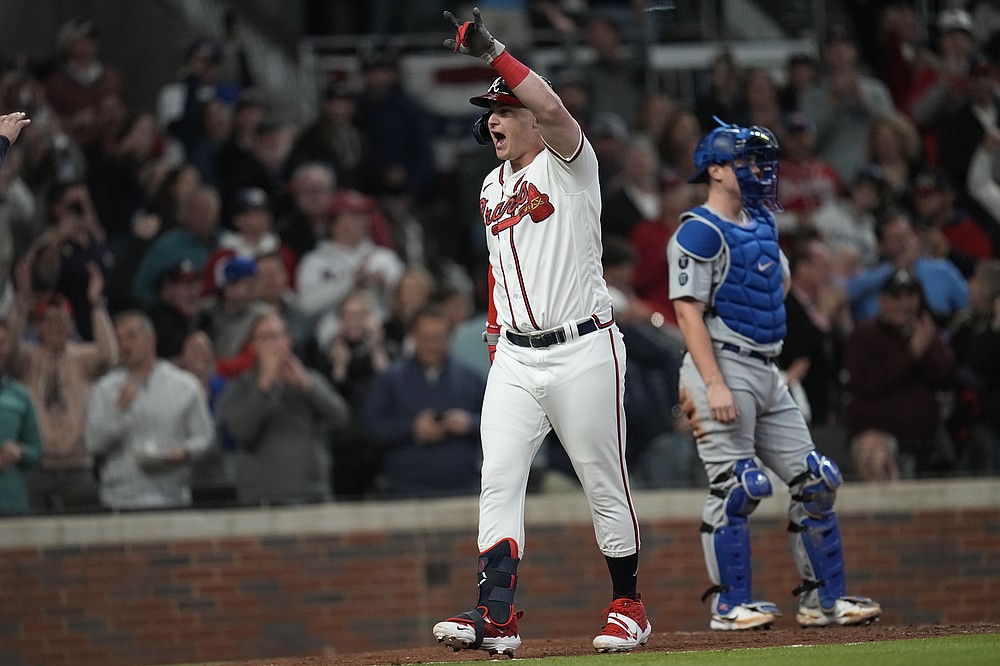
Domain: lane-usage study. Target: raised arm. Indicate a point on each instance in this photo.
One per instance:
(557, 126)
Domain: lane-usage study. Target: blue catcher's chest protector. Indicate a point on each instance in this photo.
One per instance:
(750, 299)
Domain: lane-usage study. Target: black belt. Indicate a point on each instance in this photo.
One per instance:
(727, 346)
(556, 336)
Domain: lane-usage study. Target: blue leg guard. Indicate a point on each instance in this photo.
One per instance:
(816, 534)
(727, 546)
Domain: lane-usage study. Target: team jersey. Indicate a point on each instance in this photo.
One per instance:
(543, 231)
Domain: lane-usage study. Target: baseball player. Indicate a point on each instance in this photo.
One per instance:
(558, 359)
(728, 280)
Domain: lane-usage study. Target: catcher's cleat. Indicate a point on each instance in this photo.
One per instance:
(473, 630)
(754, 615)
(846, 612)
(625, 627)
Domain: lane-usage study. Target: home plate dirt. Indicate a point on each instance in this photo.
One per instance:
(658, 642)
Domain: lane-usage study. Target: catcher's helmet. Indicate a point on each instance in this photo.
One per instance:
(744, 147)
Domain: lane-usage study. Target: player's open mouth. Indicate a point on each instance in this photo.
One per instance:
(499, 138)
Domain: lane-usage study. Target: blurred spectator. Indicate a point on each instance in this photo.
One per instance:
(805, 182)
(944, 231)
(983, 187)
(940, 85)
(18, 228)
(252, 236)
(724, 95)
(894, 146)
(843, 105)
(312, 188)
(682, 139)
(635, 195)
(333, 138)
(347, 260)
(396, 130)
(178, 287)
(762, 106)
(984, 287)
(656, 116)
(801, 73)
(280, 415)
(82, 78)
(571, 85)
(983, 362)
(62, 257)
(114, 178)
(944, 290)
(649, 240)
(59, 372)
(848, 224)
(235, 157)
(148, 421)
(424, 412)
(51, 159)
(609, 134)
(661, 450)
(273, 288)
(213, 474)
(194, 240)
(905, 50)
(977, 115)
(413, 293)
(897, 363)
(228, 316)
(819, 321)
(616, 79)
(356, 355)
(20, 440)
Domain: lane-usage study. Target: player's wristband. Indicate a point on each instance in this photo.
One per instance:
(512, 70)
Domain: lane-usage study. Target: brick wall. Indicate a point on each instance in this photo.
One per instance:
(258, 596)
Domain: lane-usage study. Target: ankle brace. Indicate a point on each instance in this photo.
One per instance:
(498, 579)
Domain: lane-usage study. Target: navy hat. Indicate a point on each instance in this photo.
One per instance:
(899, 282)
(250, 198)
(178, 271)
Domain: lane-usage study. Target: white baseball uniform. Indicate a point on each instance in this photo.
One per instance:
(544, 236)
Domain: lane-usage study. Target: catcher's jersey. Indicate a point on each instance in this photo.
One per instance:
(543, 230)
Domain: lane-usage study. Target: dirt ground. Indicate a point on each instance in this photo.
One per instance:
(658, 642)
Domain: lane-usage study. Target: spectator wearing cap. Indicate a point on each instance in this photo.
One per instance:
(944, 230)
(178, 289)
(805, 182)
(194, 240)
(898, 363)
(396, 131)
(945, 291)
(843, 104)
(801, 73)
(349, 259)
(649, 240)
(252, 235)
(847, 223)
(228, 315)
(971, 124)
(149, 421)
(235, 161)
(274, 288)
(940, 83)
(333, 137)
(59, 372)
(635, 195)
(82, 78)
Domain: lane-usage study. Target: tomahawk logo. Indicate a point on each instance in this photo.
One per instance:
(527, 200)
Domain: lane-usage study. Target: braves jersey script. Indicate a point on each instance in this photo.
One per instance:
(543, 231)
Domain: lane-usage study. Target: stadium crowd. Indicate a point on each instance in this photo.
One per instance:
(211, 305)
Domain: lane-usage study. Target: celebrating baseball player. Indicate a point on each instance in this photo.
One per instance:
(728, 280)
(558, 357)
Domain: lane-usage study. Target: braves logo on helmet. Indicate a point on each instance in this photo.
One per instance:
(500, 92)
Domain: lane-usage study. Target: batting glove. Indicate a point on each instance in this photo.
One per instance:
(472, 38)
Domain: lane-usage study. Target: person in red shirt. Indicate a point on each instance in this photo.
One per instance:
(945, 230)
(805, 182)
(649, 239)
